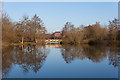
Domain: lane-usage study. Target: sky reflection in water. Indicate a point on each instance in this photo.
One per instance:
(60, 61)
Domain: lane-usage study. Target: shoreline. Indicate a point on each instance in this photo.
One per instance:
(4, 44)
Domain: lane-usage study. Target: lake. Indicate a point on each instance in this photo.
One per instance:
(60, 61)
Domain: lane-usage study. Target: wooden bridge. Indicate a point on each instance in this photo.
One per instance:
(53, 40)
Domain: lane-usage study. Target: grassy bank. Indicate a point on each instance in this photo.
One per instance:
(95, 42)
(4, 44)
(83, 42)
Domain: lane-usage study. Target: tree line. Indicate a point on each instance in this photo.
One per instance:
(33, 30)
(95, 33)
(26, 30)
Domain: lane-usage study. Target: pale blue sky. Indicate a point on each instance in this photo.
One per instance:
(56, 14)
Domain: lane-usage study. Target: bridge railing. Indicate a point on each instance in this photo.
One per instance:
(53, 40)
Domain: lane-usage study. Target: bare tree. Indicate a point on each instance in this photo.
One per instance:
(37, 26)
(22, 28)
(113, 29)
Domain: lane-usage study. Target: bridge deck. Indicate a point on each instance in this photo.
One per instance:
(53, 40)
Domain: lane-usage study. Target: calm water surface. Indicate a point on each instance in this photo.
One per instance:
(57, 61)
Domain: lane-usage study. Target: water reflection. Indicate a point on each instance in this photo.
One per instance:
(28, 57)
(32, 57)
(54, 45)
(114, 55)
(95, 53)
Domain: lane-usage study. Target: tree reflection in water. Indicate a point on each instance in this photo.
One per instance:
(114, 55)
(95, 53)
(69, 53)
(29, 57)
(32, 57)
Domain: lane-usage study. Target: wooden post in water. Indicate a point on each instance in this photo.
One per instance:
(22, 40)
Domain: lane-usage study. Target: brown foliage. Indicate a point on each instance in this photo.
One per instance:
(27, 30)
(8, 33)
(95, 33)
